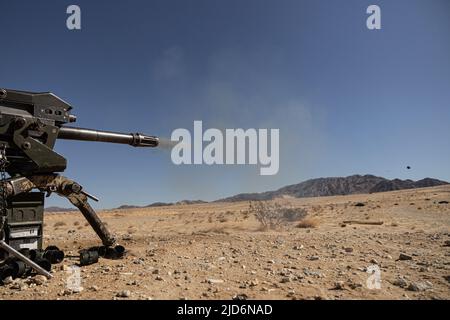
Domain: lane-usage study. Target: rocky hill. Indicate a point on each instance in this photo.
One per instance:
(356, 184)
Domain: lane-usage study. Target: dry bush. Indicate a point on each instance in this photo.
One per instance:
(272, 215)
(59, 224)
(308, 223)
(76, 223)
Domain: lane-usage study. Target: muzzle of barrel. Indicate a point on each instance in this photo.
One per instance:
(133, 139)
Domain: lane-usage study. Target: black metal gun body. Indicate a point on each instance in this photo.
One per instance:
(30, 124)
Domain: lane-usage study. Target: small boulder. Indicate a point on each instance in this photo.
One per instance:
(123, 294)
(404, 257)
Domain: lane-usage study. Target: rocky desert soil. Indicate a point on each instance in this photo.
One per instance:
(220, 251)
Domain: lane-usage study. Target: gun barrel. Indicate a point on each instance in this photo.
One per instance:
(134, 139)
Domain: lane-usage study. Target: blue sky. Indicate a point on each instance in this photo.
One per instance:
(346, 99)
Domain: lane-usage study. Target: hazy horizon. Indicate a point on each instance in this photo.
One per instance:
(231, 195)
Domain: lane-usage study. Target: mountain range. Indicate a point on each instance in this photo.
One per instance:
(320, 187)
(355, 184)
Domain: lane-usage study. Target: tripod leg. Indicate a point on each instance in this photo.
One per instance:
(80, 201)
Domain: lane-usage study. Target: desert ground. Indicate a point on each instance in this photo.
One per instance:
(222, 251)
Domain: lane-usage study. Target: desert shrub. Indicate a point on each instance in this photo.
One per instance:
(59, 224)
(293, 214)
(307, 223)
(272, 215)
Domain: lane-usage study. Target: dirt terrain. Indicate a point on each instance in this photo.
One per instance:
(221, 251)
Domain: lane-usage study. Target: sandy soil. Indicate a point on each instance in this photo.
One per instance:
(219, 251)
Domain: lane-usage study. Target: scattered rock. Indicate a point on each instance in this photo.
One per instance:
(339, 285)
(354, 285)
(313, 258)
(77, 289)
(65, 268)
(404, 257)
(215, 281)
(123, 294)
(359, 204)
(127, 237)
(348, 249)
(39, 280)
(316, 274)
(8, 280)
(139, 261)
(241, 296)
(65, 292)
(400, 282)
(254, 283)
(420, 286)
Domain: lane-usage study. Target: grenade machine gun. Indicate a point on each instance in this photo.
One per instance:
(30, 123)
